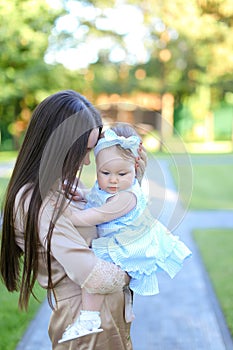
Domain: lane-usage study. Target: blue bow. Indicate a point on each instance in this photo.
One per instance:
(111, 139)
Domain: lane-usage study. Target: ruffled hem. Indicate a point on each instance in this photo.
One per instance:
(100, 248)
(145, 285)
(143, 255)
(158, 249)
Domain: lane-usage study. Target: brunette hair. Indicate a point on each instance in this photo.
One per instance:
(54, 147)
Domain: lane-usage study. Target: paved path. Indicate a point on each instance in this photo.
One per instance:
(186, 314)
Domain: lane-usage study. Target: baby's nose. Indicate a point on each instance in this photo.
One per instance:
(113, 178)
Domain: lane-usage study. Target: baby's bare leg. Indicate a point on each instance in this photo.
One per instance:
(91, 302)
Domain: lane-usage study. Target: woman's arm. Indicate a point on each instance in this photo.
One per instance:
(76, 259)
(117, 206)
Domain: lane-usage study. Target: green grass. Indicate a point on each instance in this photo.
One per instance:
(13, 322)
(212, 186)
(4, 158)
(7, 156)
(215, 246)
(3, 186)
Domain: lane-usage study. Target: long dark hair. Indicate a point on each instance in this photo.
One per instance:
(54, 147)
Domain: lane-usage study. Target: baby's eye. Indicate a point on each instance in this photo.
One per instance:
(105, 172)
(122, 174)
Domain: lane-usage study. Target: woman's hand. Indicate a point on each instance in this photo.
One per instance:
(141, 163)
(76, 193)
(127, 279)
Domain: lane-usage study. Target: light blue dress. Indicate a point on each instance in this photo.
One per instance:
(138, 243)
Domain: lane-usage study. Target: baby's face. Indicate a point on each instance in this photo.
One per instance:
(114, 173)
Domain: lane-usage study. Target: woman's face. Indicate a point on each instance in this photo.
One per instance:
(92, 141)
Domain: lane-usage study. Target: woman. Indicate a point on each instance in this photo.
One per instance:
(63, 130)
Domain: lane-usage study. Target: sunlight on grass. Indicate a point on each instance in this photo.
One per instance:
(212, 186)
(8, 156)
(216, 249)
(209, 147)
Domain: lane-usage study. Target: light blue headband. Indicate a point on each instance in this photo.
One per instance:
(112, 139)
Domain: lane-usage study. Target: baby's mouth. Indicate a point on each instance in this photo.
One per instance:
(114, 189)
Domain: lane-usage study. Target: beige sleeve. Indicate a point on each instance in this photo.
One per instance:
(77, 259)
(104, 278)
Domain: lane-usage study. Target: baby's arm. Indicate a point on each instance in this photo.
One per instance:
(115, 207)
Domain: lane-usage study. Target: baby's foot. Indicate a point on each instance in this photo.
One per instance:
(88, 323)
(90, 319)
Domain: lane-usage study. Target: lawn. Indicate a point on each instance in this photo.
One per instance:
(3, 186)
(212, 187)
(215, 246)
(212, 184)
(212, 190)
(7, 156)
(13, 322)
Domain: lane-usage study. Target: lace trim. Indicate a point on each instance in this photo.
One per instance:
(105, 278)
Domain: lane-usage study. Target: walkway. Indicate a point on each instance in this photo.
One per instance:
(186, 314)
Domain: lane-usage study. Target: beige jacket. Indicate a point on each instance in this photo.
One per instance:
(74, 266)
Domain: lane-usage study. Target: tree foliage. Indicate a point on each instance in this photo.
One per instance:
(186, 50)
(25, 26)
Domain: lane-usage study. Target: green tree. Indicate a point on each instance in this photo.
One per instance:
(188, 49)
(197, 66)
(25, 26)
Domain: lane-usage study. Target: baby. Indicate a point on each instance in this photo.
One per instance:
(129, 236)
